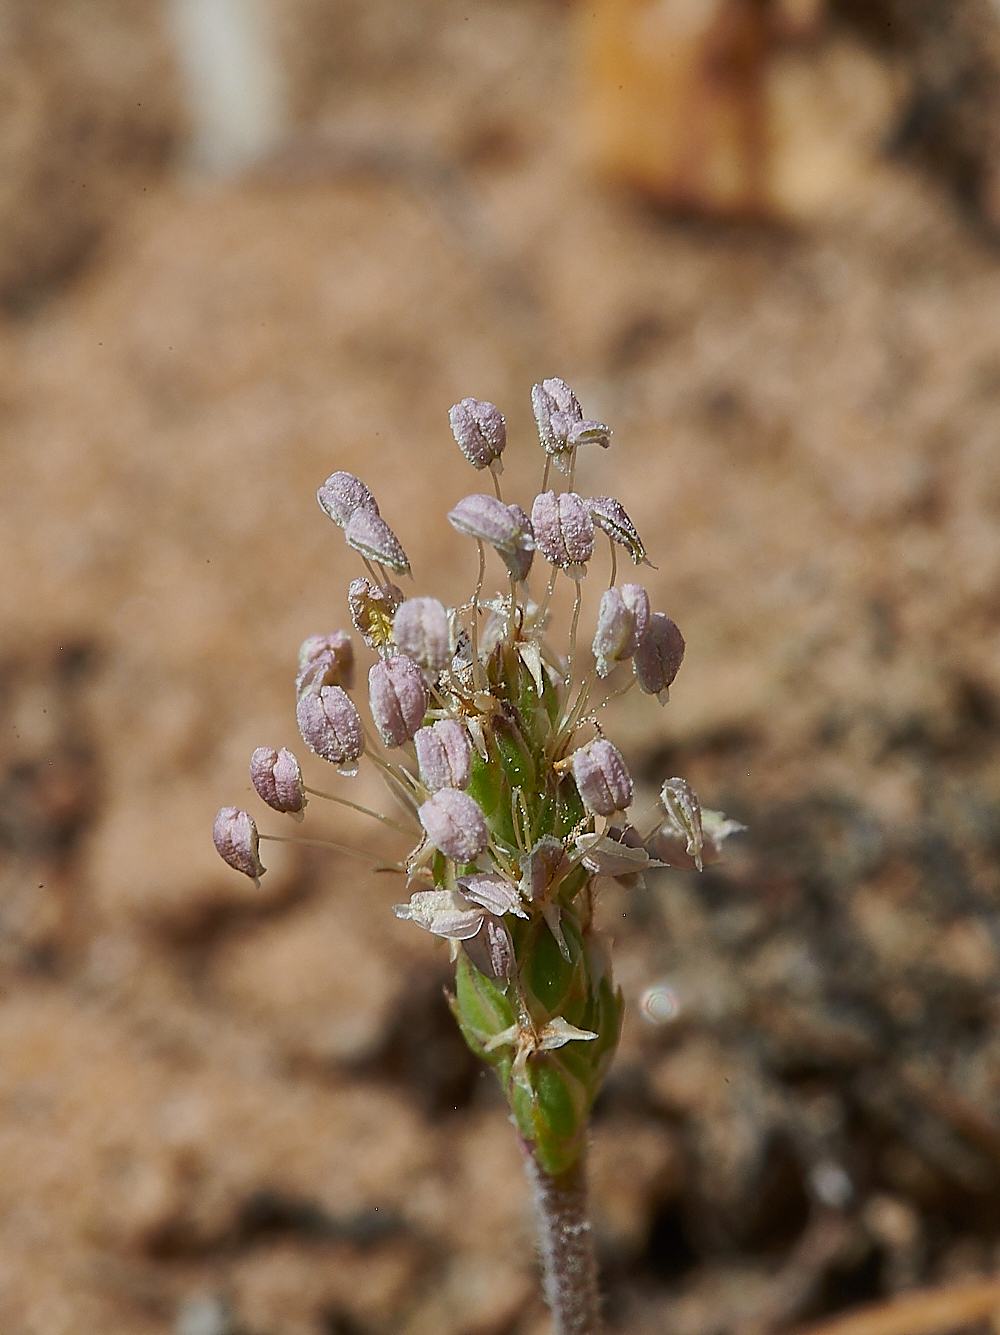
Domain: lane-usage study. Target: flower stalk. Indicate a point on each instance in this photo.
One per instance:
(520, 804)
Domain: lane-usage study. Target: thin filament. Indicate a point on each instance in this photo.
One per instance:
(475, 612)
(614, 561)
(540, 617)
(378, 864)
(572, 634)
(367, 811)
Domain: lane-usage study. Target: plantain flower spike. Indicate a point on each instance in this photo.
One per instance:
(490, 743)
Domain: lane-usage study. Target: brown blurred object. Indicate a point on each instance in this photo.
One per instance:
(88, 117)
(753, 108)
(928, 1312)
(675, 101)
(253, 1104)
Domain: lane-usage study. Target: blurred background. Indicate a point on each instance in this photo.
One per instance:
(245, 243)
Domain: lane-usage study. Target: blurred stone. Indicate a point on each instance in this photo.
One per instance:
(87, 121)
(635, 1167)
(320, 978)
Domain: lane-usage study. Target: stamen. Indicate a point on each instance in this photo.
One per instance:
(571, 719)
(376, 863)
(516, 805)
(540, 617)
(475, 613)
(572, 634)
(496, 485)
(545, 472)
(367, 811)
(614, 562)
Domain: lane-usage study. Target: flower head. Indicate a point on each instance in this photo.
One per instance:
(493, 751)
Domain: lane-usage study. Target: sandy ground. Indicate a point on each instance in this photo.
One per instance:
(249, 1108)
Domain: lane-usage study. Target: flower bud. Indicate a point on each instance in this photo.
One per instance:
(278, 779)
(373, 607)
(609, 515)
(505, 527)
(325, 660)
(368, 533)
(492, 950)
(518, 562)
(561, 424)
(563, 398)
(543, 867)
(683, 811)
(603, 782)
(455, 824)
(235, 837)
(398, 698)
(421, 630)
(622, 622)
(674, 845)
(330, 725)
(618, 854)
(444, 754)
(658, 658)
(556, 410)
(589, 432)
(480, 431)
(494, 892)
(564, 531)
(342, 494)
(443, 912)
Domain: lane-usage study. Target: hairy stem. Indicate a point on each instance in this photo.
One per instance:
(567, 1246)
